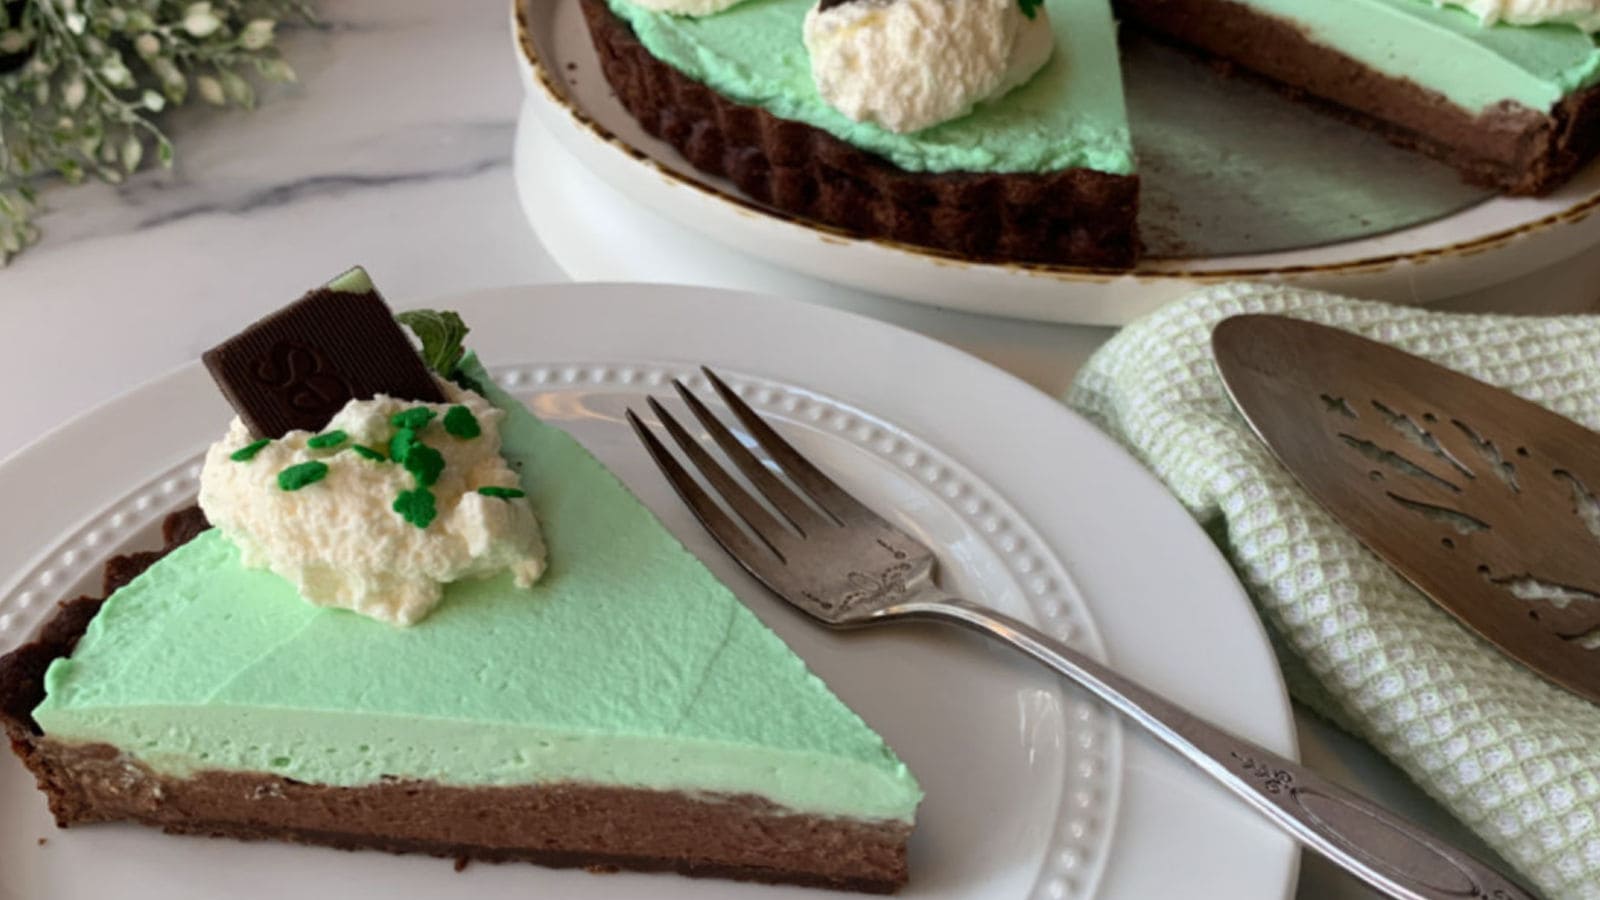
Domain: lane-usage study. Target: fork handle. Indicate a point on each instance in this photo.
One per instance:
(1385, 851)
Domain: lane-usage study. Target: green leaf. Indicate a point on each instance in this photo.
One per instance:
(441, 334)
(237, 89)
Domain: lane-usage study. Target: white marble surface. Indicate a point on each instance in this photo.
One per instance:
(394, 152)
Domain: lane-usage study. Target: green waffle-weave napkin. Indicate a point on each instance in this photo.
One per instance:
(1514, 758)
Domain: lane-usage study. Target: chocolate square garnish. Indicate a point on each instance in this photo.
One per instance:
(299, 366)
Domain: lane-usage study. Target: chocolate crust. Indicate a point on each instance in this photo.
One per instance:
(559, 825)
(1509, 147)
(1076, 217)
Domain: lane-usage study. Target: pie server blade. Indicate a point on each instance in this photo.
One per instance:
(1481, 499)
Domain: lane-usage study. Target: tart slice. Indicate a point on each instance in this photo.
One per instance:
(1512, 105)
(1043, 172)
(623, 710)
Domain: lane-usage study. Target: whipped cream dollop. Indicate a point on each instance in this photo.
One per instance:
(907, 65)
(1583, 14)
(339, 515)
(687, 7)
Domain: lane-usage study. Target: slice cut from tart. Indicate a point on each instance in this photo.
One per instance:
(1043, 173)
(1512, 107)
(625, 711)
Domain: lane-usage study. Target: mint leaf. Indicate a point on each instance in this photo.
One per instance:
(1030, 8)
(441, 333)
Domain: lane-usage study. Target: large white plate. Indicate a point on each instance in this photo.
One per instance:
(1032, 790)
(1481, 246)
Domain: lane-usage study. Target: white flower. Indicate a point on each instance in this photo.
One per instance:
(76, 22)
(153, 101)
(132, 152)
(147, 45)
(210, 90)
(116, 72)
(74, 93)
(168, 72)
(257, 34)
(13, 41)
(199, 20)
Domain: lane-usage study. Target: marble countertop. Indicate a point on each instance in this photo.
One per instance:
(394, 152)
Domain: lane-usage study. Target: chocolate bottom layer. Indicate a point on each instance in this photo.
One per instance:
(563, 825)
(1073, 217)
(1508, 147)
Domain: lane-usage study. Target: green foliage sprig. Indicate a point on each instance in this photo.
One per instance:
(83, 81)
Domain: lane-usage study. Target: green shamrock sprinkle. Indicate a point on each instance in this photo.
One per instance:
(327, 439)
(420, 460)
(367, 453)
(425, 463)
(400, 445)
(504, 493)
(416, 418)
(460, 422)
(298, 476)
(249, 451)
(416, 507)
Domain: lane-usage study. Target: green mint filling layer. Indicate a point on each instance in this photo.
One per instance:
(1446, 50)
(627, 664)
(1070, 115)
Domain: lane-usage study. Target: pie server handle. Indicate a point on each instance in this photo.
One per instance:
(1387, 852)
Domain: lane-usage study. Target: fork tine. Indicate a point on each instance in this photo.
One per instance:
(764, 524)
(822, 489)
(711, 516)
(787, 502)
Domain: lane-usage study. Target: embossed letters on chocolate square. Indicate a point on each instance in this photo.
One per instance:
(297, 367)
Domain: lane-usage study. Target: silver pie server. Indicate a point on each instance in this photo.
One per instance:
(1481, 499)
(832, 558)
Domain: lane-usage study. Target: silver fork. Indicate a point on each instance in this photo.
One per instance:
(840, 563)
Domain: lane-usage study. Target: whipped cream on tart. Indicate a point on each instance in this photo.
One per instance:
(1583, 14)
(907, 65)
(382, 508)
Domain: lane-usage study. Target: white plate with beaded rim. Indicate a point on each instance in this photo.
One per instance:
(1475, 246)
(1032, 790)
